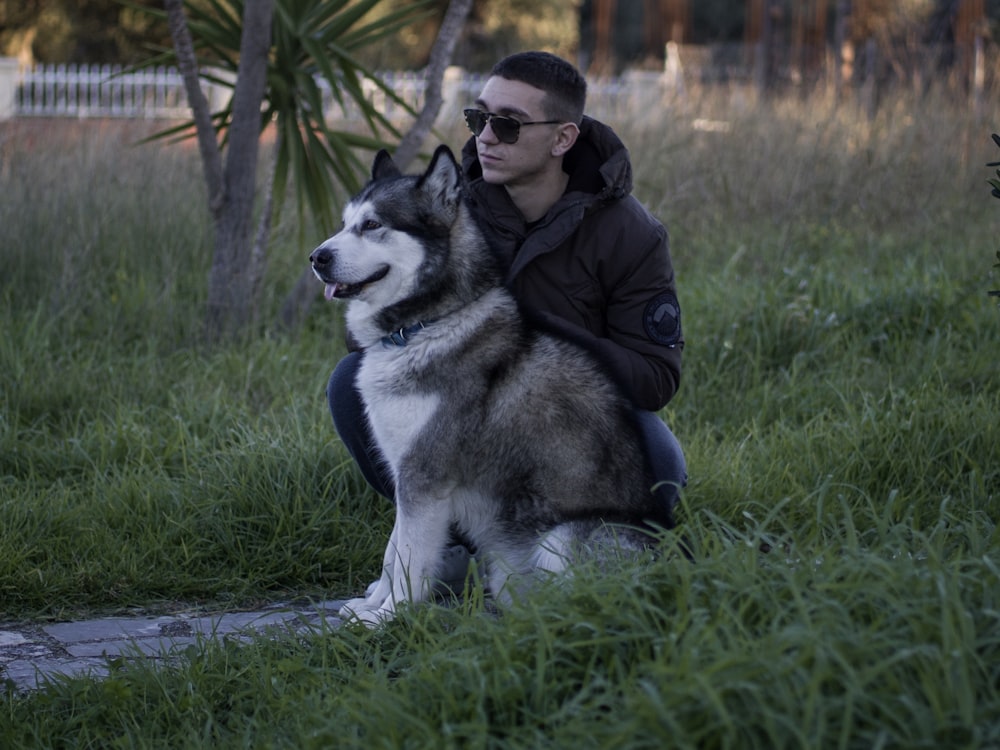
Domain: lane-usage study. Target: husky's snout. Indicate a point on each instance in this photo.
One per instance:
(322, 266)
(321, 259)
(341, 283)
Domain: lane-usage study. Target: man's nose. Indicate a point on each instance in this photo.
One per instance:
(492, 137)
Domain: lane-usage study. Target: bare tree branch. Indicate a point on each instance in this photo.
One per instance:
(251, 82)
(187, 63)
(440, 59)
(258, 255)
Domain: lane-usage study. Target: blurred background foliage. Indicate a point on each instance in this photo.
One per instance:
(632, 32)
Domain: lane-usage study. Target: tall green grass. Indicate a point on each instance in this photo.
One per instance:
(839, 413)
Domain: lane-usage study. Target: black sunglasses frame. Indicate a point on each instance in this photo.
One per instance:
(506, 129)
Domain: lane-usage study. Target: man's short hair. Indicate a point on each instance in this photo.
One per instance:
(565, 88)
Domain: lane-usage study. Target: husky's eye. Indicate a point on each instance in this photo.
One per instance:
(370, 225)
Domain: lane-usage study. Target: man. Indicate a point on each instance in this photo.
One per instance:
(553, 189)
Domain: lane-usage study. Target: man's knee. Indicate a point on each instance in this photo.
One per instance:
(666, 459)
(351, 423)
(663, 449)
(346, 407)
(341, 393)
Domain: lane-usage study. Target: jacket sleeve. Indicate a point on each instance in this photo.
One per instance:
(644, 338)
(613, 291)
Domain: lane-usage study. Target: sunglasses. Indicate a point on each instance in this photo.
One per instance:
(506, 129)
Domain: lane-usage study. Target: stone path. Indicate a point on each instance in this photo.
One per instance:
(31, 655)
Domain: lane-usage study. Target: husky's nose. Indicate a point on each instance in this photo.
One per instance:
(321, 257)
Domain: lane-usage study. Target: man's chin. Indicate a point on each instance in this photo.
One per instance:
(492, 175)
(493, 178)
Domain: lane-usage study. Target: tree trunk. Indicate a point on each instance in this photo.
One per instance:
(231, 280)
(232, 185)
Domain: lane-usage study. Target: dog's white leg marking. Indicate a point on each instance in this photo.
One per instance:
(553, 551)
(511, 568)
(379, 591)
(396, 420)
(411, 559)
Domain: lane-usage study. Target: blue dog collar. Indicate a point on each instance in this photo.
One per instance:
(402, 336)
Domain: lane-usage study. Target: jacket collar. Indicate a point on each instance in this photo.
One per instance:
(600, 171)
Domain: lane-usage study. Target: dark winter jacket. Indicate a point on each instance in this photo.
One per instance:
(597, 266)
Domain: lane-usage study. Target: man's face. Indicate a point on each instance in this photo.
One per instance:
(515, 164)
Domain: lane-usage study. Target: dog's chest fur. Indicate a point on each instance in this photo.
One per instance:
(404, 387)
(398, 408)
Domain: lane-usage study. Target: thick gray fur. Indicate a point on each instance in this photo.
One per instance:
(494, 429)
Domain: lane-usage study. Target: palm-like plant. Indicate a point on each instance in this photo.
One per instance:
(312, 61)
(273, 55)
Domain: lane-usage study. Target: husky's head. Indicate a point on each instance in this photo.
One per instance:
(408, 245)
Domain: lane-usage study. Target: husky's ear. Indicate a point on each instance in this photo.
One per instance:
(384, 166)
(443, 179)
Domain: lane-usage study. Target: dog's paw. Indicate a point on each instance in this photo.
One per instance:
(355, 606)
(374, 617)
(365, 612)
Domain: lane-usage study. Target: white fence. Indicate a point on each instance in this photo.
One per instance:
(107, 91)
(158, 93)
(100, 91)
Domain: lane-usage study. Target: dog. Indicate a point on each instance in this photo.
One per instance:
(497, 431)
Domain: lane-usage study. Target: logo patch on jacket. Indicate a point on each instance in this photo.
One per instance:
(662, 319)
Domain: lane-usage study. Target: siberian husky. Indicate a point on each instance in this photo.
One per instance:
(495, 430)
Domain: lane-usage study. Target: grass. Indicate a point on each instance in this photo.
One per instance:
(838, 411)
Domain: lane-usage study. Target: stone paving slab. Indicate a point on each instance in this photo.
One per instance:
(31, 655)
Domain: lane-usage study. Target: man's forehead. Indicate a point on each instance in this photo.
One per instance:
(503, 96)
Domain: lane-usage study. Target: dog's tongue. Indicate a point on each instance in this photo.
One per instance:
(330, 291)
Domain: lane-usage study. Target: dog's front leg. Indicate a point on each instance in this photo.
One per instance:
(380, 590)
(411, 559)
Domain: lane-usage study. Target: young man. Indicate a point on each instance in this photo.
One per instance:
(553, 188)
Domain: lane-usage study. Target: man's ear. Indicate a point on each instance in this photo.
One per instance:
(566, 135)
